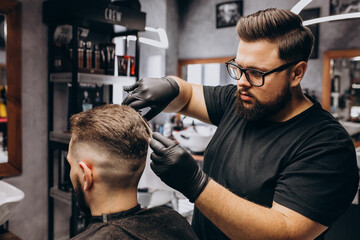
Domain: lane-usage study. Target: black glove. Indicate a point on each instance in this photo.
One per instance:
(155, 93)
(175, 166)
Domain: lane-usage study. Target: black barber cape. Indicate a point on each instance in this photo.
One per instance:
(136, 223)
(307, 164)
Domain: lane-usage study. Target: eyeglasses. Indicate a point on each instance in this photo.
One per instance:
(254, 77)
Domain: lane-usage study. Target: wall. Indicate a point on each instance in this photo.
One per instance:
(153, 59)
(172, 29)
(2, 56)
(30, 218)
(199, 37)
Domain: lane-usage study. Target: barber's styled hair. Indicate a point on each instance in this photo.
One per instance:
(295, 41)
(119, 134)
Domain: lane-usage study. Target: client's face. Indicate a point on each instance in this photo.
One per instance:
(80, 199)
(74, 166)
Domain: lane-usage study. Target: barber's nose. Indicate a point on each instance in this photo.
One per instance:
(243, 82)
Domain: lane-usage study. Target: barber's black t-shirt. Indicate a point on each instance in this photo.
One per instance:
(307, 164)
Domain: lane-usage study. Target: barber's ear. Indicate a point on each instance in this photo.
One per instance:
(87, 175)
(298, 73)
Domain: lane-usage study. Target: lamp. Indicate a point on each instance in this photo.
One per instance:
(303, 3)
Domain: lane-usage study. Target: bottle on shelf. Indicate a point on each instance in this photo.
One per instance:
(96, 57)
(81, 48)
(88, 55)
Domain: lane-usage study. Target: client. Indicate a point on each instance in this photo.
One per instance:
(107, 154)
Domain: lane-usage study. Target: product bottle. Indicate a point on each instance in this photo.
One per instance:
(81, 54)
(96, 57)
(110, 54)
(88, 55)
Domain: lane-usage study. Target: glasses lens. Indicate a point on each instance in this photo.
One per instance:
(254, 77)
(234, 72)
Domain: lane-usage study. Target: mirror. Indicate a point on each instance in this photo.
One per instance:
(205, 71)
(10, 88)
(341, 84)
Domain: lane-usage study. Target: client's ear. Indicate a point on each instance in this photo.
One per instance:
(87, 175)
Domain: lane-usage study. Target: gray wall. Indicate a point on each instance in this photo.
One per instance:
(199, 37)
(155, 17)
(196, 36)
(2, 56)
(30, 218)
(172, 29)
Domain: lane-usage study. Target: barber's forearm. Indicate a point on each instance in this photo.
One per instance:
(185, 93)
(239, 218)
(190, 101)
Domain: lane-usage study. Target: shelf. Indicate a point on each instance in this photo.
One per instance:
(57, 194)
(61, 137)
(102, 21)
(65, 77)
(100, 13)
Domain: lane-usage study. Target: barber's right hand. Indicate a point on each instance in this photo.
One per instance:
(176, 167)
(155, 93)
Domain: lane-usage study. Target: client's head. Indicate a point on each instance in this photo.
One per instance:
(107, 153)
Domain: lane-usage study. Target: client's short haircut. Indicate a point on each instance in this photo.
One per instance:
(118, 136)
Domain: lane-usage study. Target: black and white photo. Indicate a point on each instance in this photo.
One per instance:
(344, 6)
(228, 13)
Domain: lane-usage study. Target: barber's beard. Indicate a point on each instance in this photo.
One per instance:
(80, 199)
(262, 111)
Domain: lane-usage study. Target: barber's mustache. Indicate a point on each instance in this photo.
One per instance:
(245, 91)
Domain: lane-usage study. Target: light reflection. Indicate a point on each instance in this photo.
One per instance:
(345, 89)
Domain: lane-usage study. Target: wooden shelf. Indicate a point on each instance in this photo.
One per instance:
(102, 15)
(65, 77)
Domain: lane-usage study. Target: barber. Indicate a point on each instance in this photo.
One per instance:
(278, 166)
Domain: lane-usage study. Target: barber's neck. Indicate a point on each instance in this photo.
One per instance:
(298, 104)
(110, 201)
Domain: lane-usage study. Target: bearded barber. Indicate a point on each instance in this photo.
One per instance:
(278, 166)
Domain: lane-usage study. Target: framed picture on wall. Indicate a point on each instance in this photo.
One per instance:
(308, 14)
(228, 13)
(344, 6)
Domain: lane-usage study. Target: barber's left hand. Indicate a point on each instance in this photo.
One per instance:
(175, 166)
(156, 93)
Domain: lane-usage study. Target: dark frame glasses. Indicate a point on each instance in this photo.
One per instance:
(231, 66)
